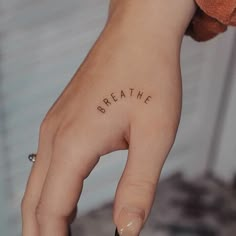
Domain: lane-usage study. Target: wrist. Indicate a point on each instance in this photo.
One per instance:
(160, 18)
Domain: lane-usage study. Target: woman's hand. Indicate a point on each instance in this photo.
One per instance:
(126, 95)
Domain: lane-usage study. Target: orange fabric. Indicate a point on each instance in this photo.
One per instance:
(211, 18)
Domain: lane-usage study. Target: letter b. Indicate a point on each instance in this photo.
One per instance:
(101, 109)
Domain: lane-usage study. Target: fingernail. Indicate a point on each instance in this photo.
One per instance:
(130, 221)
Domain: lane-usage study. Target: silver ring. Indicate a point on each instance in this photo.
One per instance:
(32, 157)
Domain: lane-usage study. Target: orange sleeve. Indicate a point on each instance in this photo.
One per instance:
(211, 18)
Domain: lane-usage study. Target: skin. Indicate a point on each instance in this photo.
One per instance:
(138, 48)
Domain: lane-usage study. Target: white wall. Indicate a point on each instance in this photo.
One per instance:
(42, 44)
(224, 150)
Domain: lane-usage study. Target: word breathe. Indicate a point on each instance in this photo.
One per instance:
(113, 98)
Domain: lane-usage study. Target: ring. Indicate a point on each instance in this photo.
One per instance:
(32, 157)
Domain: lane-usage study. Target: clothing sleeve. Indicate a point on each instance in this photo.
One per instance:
(211, 18)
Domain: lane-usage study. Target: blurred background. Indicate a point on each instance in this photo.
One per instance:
(42, 43)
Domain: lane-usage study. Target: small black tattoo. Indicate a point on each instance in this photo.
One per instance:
(147, 99)
(131, 91)
(108, 101)
(101, 109)
(122, 94)
(113, 97)
(139, 95)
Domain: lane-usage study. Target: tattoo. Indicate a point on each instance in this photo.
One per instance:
(147, 99)
(101, 109)
(114, 97)
(106, 101)
(122, 94)
(131, 91)
(139, 95)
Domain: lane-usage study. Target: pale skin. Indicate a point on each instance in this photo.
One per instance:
(139, 48)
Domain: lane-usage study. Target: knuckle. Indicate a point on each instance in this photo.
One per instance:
(45, 213)
(26, 207)
(141, 186)
(41, 213)
(46, 126)
(63, 135)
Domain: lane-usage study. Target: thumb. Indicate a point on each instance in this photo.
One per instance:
(137, 187)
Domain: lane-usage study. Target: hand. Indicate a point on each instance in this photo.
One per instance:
(126, 95)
